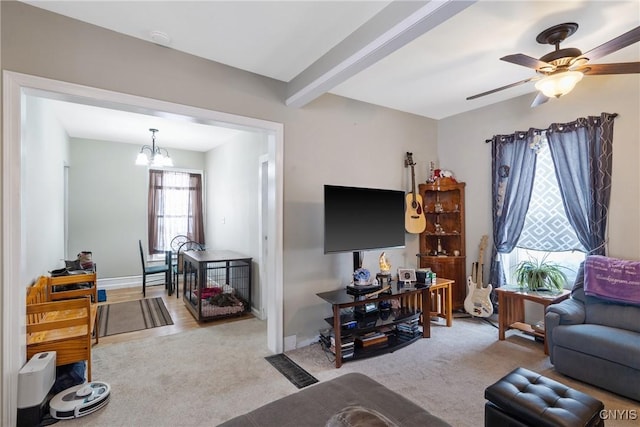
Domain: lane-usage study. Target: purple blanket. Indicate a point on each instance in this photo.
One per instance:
(612, 279)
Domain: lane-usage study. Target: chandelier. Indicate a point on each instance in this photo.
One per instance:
(157, 157)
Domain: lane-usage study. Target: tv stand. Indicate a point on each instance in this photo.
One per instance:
(377, 332)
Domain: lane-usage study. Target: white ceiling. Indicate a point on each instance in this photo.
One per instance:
(105, 124)
(429, 71)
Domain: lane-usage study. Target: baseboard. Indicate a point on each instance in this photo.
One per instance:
(126, 282)
(120, 282)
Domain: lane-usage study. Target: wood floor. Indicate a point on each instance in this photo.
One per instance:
(183, 320)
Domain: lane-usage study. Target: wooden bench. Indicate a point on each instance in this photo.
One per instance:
(65, 326)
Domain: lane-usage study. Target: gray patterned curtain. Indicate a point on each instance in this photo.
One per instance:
(513, 170)
(582, 153)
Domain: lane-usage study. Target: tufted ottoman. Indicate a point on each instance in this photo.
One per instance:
(525, 398)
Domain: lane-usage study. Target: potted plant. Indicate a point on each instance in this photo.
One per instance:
(540, 275)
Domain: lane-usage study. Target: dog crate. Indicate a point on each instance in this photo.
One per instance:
(216, 284)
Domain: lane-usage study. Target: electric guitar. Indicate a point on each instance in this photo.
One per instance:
(478, 300)
(414, 219)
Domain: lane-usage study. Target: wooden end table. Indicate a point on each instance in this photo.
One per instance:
(511, 309)
(441, 300)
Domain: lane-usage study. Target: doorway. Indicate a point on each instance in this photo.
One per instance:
(12, 297)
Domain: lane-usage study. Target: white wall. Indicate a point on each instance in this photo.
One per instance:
(108, 203)
(333, 140)
(45, 153)
(461, 141)
(341, 142)
(330, 141)
(232, 193)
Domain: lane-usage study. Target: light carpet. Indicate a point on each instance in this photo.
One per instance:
(206, 376)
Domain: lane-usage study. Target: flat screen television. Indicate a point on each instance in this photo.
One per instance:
(358, 219)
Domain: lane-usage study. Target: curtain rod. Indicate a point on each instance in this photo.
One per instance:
(613, 116)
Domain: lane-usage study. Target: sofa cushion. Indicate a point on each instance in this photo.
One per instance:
(577, 291)
(616, 345)
(611, 314)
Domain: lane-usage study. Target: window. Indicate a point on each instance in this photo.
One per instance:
(582, 154)
(546, 233)
(175, 208)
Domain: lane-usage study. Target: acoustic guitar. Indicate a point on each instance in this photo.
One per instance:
(414, 219)
(478, 300)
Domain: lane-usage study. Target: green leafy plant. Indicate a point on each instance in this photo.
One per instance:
(540, 274)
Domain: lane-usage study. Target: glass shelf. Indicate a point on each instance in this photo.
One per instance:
(373, 321)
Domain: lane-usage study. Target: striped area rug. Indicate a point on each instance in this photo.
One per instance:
(129, 316)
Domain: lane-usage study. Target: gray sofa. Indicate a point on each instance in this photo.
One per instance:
(319, 403)
(596, 340)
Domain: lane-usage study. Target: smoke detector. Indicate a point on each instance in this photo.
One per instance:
(160, 38)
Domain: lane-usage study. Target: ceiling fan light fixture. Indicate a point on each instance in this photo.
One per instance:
(559, 84)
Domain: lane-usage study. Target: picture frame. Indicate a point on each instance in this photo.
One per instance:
(406, 275)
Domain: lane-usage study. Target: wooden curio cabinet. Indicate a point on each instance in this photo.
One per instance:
(442, 244)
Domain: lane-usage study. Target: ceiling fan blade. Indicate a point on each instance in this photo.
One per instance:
(624, 40)
(540, 98)
(619, 68)
(528, 61)
(502, 88)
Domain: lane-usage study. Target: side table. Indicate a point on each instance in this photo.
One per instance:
(441, 300)
(511, 309)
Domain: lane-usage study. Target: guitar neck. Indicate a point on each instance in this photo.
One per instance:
(483, 246)
(413, 184)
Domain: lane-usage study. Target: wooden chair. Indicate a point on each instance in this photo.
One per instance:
(155, 269)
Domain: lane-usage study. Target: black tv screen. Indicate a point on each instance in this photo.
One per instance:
(358, 219)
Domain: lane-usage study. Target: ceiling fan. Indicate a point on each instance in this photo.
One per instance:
(560, 70)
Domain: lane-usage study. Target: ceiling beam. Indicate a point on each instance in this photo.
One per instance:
(389, 30)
